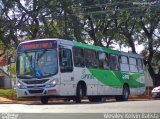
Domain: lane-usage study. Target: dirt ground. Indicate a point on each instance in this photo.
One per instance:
(5, 100)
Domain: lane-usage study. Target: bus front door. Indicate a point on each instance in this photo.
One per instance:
(66, 69)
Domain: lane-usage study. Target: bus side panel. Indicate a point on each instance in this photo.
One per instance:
(109, 82)
(140, 88)
(83, 74)
(135, 82)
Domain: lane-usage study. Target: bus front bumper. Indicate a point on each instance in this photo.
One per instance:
(36, 92)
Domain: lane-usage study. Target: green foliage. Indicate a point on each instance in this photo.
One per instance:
(11, 94)
(12, 69)
(99, 21)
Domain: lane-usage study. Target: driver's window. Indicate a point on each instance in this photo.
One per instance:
(29, 62)
(65, 60)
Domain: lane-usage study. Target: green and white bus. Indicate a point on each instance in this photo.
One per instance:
(58, 68)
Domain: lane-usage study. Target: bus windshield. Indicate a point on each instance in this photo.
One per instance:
(37, 64)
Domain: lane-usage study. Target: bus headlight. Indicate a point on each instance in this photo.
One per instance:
(20, 85)
(52, 83)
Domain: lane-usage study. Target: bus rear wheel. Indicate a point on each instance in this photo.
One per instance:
(95, 99)
(79, 93)
(44, 100)
(67, 100)
(125, 95)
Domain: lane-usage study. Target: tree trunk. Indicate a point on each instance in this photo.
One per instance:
(92, 32)
(152, 73)
(150, 48)
(158, 78)
(4, 51)
(109, 41)
(131, 43)
(149, 34)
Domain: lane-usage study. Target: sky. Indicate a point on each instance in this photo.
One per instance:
(139, 48)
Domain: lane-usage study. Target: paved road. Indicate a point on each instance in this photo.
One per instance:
(137, 106)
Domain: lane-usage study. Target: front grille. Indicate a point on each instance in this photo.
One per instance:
(35, 91)
(35, 81)
(42, 86)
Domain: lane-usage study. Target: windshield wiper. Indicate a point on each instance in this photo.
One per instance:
(39, 57)
(31, 66)
(25, 76)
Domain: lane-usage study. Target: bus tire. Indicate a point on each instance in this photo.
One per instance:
(79, 93)
(94, 99)
(67, 100)
(44, 100)
(125, 95)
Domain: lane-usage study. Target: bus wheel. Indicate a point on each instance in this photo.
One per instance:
(44, 100)
(95, 99)
(79, 93)
(67, 100)
(125, 95)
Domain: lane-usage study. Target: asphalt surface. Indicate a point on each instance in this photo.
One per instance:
(111, 106)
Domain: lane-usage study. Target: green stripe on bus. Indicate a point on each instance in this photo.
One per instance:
(96, 48)
(111, 51)
(114, 78)
(83, 45)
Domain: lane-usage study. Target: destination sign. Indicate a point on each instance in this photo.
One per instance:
(36, 45)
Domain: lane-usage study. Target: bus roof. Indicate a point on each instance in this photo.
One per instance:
(83, 45)
(28, 41)
(97, 48)
(130, 54)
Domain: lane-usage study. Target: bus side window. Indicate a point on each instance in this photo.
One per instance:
(91, 58)
(78, 57)
(113, 62)
(124, 64)
(103, 60)
(133, 64)
(140, 65)
(65, 60)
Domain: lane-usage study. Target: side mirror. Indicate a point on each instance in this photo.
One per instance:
(11, 60)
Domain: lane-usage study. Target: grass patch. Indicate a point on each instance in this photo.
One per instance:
(11, 94)
(8, 93)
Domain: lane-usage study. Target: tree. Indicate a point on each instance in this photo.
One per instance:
(149, 25)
